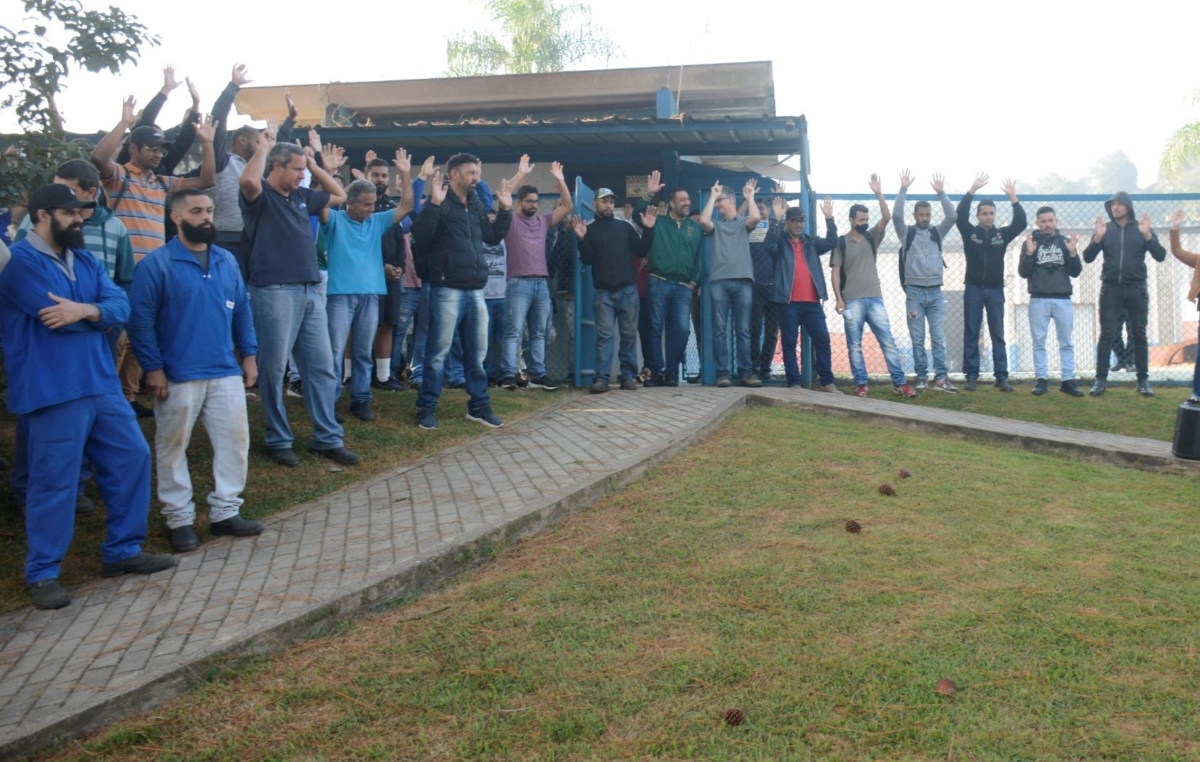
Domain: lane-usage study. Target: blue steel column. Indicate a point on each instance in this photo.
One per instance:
(806, 203)
(708, 365)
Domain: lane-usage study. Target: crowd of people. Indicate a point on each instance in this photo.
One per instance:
(270, 270)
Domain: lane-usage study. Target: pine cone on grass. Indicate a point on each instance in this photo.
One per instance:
(734, 717)
(905, 473)
(945, 687)
(853, 527)
(887, 489)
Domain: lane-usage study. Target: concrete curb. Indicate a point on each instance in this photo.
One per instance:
(422, 574)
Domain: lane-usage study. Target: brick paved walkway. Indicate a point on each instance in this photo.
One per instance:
(126, 645)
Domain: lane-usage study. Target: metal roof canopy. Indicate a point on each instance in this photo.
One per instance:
(744, 89)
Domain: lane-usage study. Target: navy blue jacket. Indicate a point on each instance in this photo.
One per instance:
(48, 367)
(186, 320)
(780, 249)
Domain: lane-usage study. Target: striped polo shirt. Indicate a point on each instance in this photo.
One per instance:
(141, 205)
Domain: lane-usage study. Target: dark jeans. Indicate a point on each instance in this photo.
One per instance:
(1122, 349)
(810, 316)
(644, 328)
(670, 304)
(764, 330)
(1134, 298)
(975, 300)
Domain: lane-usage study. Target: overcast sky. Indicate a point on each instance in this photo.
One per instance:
(1018, 88)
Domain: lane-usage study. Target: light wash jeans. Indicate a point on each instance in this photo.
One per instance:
(1041, 312)
(450, 308)
(293, 371)
(871, 311)
(354, 317)
(410, 302)
(616, 309)
(291, 319)
(219, 404)
(927, 303)
(736, 296)
(525, 298)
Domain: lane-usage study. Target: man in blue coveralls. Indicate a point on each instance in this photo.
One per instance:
(56, 299)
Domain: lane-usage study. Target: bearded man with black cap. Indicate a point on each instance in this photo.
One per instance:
(190, 312)
(56, 300)
(1123, 284)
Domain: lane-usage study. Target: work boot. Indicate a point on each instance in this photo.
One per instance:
(48, 594)
(142, 563)
(1039, 387)
(750, 381)
(723, 381)
(1144, 389)
(1003, 385)
(629, 384)
(236, 526)
(184, 539)
(1070, 387)
(338, 455)
(1099, 387)
(362, 411)
(971, 385)
(599, 385)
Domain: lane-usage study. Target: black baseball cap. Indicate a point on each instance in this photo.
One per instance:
(794, 213)
(148, 135)
(56, 196)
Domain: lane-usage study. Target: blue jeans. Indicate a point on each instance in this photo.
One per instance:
(496, 321)
(526, 298)
(927, 303)
(292, 318)
(103, 429)
(420, 338)
(410, 301)
(975, 300)
(736, 295)
(293, 371)
(1041, 311)
(810, 316)
(616, 309)
(871, 311)
(670, 309)
(450, 308)
(355, 317)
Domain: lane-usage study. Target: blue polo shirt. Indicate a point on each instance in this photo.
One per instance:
(282, 248)
(355, 253)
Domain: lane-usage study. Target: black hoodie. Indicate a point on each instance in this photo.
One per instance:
(1124, 247)
(607, 246)
(1050, 267)
(985, 246)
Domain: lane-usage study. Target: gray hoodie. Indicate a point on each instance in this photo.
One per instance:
(923, 265)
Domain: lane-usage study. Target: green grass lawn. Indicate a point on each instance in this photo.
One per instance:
(390, 441)
(1058, 596)
(1120, 411)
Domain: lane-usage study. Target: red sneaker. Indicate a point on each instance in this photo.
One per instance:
(861, 391)
(904, 390)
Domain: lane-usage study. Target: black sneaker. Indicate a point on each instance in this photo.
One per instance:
(1003, 385)
(1194, 400)
(142, 563)
(1144, 389)
(391, 385)
(362, 411)
(671, 379)
(294, 389)
(236, 526)
(184, 539)
(485, 416)
(656, 379)
(629, 384)
(84, 505)
(140, 410)
(1039, 387)
(543, 383)
(971, 384)
(723, 381)
(338, 455)
(1099, 387)
(48, 594)
(1069, 387)
(509, 382)
(427, 418)
(599, 386)
(284, 456)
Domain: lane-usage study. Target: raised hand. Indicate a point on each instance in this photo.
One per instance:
(1101, 228)
(780, 207)
(504, 195)
(1177, 219)
(938, 182)
(1030, 244)
(749, 189)
(1144, 226)
(779, 188)
(293, 112)
(426, 169)
(649, 217)
(628, 209)
(369, 157)
(717, 189)
(169, 81)
(206, 131)
(1010, 189)
(981, 180)
(876, 184)
(437, 189)
(402, 161)
(332, 158)
(827, 207)
(272, 129)
(1073, 245)
(556, 171)
(523, 166)
(906, 179)
(194, 93)
(356, 173)
(578, 225)
(238, 77)
(130, 114)
(654, 182)
(314, 140)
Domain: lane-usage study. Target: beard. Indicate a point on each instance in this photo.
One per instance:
(606, 215)
(206, 233)
(380, 190)
(69, 237)
(529, 212)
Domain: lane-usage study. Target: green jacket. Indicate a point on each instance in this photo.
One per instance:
(675, 254)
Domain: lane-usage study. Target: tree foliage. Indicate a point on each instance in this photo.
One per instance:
(1182, 151)
(34, 70)
(534, 36)
(1114, 172)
